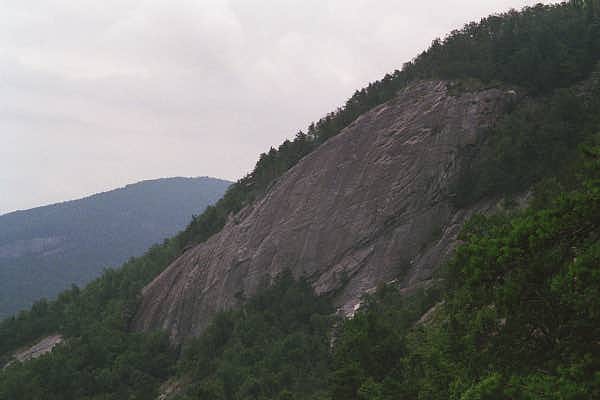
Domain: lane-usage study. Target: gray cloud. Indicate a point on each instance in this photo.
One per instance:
(97, 94)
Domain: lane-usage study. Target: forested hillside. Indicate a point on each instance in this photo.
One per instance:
(46, 249)
(514, 315)
(516, 311)
(517, 317)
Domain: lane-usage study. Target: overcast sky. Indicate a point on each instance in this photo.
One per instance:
(97, 94)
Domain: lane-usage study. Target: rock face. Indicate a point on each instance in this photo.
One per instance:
(370, 205)
(44, 346)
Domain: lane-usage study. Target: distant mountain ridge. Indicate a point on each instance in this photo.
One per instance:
(45, 249)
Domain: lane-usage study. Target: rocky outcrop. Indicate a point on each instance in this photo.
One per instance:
(370, 205)
(43, 346)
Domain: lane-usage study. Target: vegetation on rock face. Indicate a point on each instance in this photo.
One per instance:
(541, 48)
(520, 311)
(519, 319)
(517, 315)
(537, 139)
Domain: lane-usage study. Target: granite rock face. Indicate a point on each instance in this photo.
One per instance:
(43, 346)
(371, 205)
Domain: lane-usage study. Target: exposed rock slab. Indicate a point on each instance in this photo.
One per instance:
(43, 346)
(370, 205)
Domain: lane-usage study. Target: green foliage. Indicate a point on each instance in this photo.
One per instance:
(541, 48)
(520, 318)
(538, 139)
(275, 347)
(370, 345)
(111, 298)
(98, 365)
(101, 358)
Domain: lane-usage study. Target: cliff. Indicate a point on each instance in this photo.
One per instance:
(370, 205)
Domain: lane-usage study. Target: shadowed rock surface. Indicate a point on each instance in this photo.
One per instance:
(370, 205)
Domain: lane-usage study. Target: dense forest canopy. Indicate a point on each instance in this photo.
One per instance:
(275, 346)
(517, 316)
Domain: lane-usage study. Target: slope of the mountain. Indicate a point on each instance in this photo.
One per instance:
(519, 309)
(46, 249)
(370, 205)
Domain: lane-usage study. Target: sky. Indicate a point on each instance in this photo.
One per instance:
(98, 94)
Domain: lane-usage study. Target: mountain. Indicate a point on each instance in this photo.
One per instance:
(370, 205)
(46, 249)
(437, 237)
